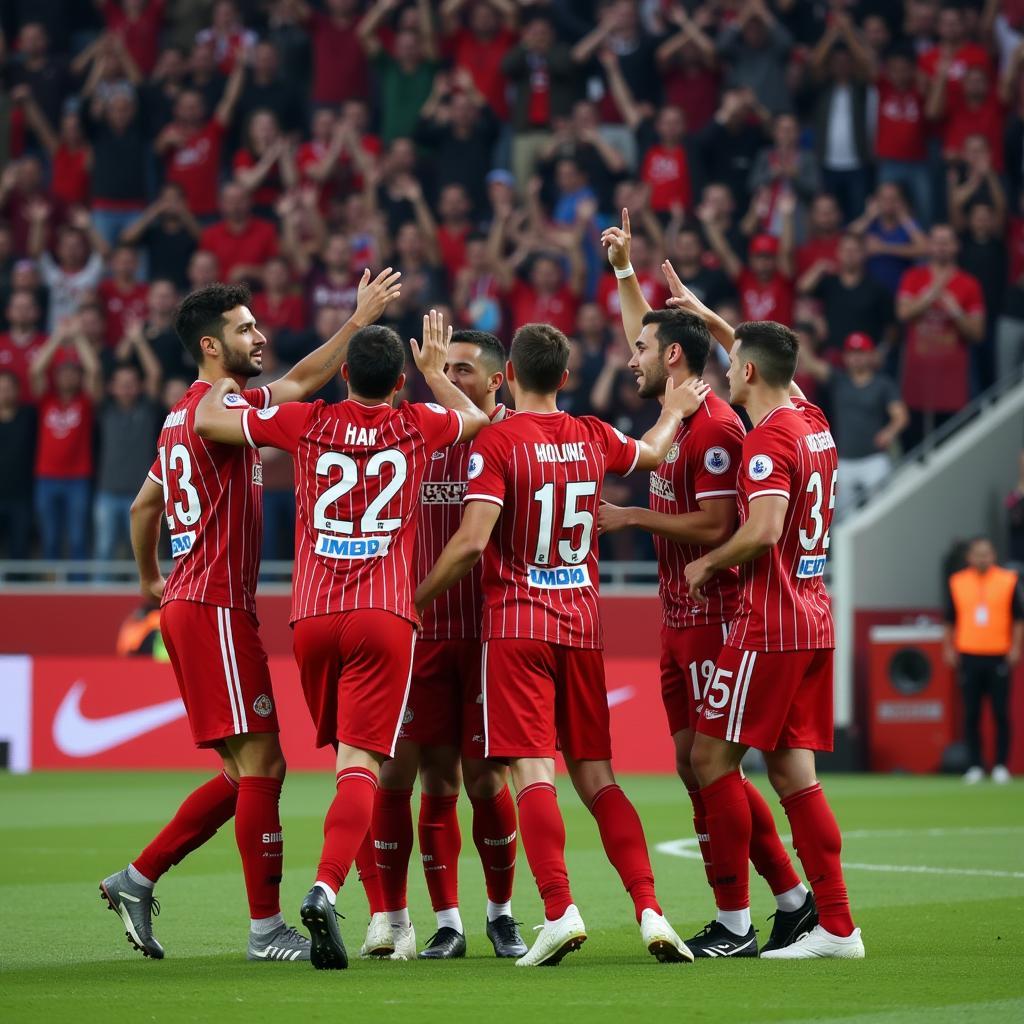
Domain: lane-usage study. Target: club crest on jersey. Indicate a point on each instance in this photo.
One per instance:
(329, 545)
(476, 465)
(233, 400)
(434, 407)
(439, 454)
(672, 454)
(263, 706)
(810, 566)
(562, 577)
(760, 467)
(257, 474)
(716, 460)
(408, 716)
(181, 543)
(268, 414)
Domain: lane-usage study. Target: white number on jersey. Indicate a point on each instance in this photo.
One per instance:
(817, 533)
(371, 521)
(179, 460)
(571, 518)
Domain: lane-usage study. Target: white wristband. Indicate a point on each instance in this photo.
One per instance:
(624, 272)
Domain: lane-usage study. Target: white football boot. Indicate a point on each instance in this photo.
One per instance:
(404, 938)
(556, 939)
(661, 940)
(380, 940)
(819, 944)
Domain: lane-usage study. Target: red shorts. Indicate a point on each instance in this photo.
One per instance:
(355, 669)
(445, 707)
(221, 669)
(539, 697)
(771, 701)
(688, 659)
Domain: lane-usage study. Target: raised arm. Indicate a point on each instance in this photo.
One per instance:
(683, 298)
(37, 120)
(310, 374)
(428, 34)
(92, 370)
(620, 90)
(232, 93)
(631, 298)
(720, 244)
(39, 368)
(367, 30)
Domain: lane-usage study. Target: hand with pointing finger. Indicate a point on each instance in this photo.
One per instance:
(617, 242)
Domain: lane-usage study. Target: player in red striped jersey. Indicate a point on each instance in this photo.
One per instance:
(358, 469)
(535, 481)
(772, 687)
(211, 496)
(692, 510)
(444, 715)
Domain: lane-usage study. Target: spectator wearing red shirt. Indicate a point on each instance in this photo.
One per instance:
(122, 295)
(479, 45)
(944, 313)
(453, 208)
(975, 110)
(227, 35)
(22, 189)
(191, 145)
(341, 152)
(954, 54)
(278, 305)
(824, 229)
(689, 70)
(137, 23)
(546, 296)
(901, 131)
(665, 168)
(241, 242)
(340, 69)
(64, 461)
(265, 166)
(22, 340)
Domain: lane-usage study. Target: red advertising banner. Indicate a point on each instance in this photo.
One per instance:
(125, 713)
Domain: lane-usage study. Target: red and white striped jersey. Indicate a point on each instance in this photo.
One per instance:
(455, 615)
(213, 501)
(545, 470)
(358, 471)
(784, 605)
(701, 464)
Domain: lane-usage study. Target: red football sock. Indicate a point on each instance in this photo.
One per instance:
(392, 841)
(196, 821)
(260, 842)
(346, 825)
(819, 843)
(543, 832)
(366, 865)
(729, 826)
(700, 828)
(440, 846)
(625, 845)
(767, 853)
(494, 833)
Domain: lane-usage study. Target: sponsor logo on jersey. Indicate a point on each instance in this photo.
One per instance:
(329, 545)
(673, 453)
(562, 577)
(181, 543)
(263, 706)
(662, 488)
(476, 465)
(760, 467)
(716, 460)
(443, 492)
(268, 414)
(820, 442)
(233, 400)
(257, 474)
(810, 566)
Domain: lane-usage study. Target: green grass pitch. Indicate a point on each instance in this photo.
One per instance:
(935, 872)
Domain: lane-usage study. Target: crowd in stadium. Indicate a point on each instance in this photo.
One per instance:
(851, 168)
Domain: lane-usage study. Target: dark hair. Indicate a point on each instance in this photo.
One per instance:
(201, 314)
(687, 330)
(772, 348)
(490, 346)
(375, 360)
(540, 355)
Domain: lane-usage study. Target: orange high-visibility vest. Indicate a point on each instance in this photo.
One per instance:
(984, 610)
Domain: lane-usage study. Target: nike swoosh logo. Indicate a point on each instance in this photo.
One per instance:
(714, 714)
(620, 695)
(78, 736)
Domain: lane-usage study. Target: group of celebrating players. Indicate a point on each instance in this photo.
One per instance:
(416, 659)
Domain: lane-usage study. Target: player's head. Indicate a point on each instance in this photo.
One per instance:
(539, 359)
(476, 366)
(672, 341)
(981, 554)
(216, 326)
(375, 364)
(763, 358)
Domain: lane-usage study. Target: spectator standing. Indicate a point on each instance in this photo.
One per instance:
(277, 305)
(17, 455)
(689, 68)
(477, 35)
(22, 340)
(892, 238)
(265, 165)
(867, 417)
(228, 37)
(782, 170)
(944, 312)
(983, 256)
(984, 637)
(954, 53)
(64, 462)
(75, 274)
(161, 303)
(729, 145)
(168, 235)
(137, 23)
(241, 242)
(129, 421)
(22, 189)
(340, 70)
(266, 88)
(755, 48)
(45, 74)
(709, 284)
(824, 231)
(974, 109)
(122, 295)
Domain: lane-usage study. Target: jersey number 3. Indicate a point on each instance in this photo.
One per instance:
(817, 534)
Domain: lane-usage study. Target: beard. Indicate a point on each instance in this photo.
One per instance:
(241, 363)
(653, 385)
